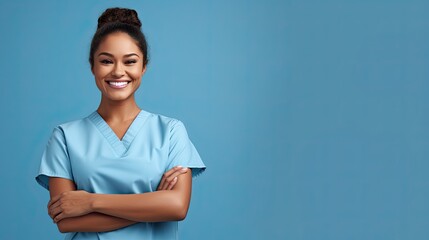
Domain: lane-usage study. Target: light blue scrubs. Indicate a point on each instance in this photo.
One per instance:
(88, 152)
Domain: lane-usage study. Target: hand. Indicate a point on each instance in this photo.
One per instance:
(69, 204)
(169, 179)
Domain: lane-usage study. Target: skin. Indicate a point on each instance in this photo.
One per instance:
(118, 58)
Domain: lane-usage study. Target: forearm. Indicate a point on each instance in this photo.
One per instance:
(92, 222)
(147, 207)
(171, 205)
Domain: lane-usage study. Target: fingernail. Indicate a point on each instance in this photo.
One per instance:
(175, 179)
(184, 169)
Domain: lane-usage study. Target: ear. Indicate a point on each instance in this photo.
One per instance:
(144, 70)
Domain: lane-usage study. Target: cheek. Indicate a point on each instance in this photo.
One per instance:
(98, 77)
(135, 74)
(100, 71)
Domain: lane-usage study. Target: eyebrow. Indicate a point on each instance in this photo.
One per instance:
(111, 55)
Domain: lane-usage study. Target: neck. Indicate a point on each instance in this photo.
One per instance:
(118, 111)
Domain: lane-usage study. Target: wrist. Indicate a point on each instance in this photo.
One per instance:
(93, 202)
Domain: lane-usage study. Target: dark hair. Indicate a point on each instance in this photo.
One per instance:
(119, 20)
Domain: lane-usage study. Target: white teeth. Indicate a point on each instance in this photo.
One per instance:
(119, 84)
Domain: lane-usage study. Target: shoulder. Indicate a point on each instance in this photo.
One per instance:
(76, 125)
(161, 120)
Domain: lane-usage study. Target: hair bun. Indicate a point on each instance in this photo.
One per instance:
(124, 15)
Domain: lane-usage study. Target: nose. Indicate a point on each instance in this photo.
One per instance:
(118, 70)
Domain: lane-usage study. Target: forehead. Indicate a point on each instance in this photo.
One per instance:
(119, 44)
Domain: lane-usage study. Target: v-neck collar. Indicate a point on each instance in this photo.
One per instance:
(120, 146)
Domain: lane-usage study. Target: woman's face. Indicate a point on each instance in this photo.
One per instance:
(118, 66)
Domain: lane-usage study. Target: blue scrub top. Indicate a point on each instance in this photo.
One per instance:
(88, 152)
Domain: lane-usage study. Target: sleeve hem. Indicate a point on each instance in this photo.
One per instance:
(196, 170)
(43, 178)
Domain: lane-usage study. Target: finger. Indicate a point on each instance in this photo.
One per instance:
(54, 206)
(59, 217)
(55, 212)
(54, 199)
(167, 175)
(161, 184)
(169, 180)
(171, 171)
(171, 185)
(50, 210)
(177, 173)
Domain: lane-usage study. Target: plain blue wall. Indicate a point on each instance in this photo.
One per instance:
(312, 117)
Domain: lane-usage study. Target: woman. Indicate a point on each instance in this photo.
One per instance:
(121, 172)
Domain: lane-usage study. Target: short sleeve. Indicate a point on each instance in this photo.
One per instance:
(182, 152)
(55, 159)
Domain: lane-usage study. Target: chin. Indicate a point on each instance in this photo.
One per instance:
(118, 97)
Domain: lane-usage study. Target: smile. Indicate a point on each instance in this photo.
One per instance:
(118, 84)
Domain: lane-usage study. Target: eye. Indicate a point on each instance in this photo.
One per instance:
(130, 61)
(105, 61)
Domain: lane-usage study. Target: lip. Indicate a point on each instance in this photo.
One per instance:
(125, 80)
(117, 81)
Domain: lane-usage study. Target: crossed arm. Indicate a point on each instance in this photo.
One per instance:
(79, 211)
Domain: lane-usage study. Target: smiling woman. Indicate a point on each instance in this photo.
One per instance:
(118, 65)
(121, 172)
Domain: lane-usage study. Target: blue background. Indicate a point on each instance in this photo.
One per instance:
(311, 116)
